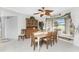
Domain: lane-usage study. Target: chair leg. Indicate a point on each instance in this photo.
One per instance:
(47, 45)
(53, 41)
(50, 42)
(34, 46)
(18, 38)
(31, 43)
(56, 40)
(23, 38)
(40, 44)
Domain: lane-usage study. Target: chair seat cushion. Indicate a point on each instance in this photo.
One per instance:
(36, 40)
(45, 39)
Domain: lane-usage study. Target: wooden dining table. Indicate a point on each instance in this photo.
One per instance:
(39, 35)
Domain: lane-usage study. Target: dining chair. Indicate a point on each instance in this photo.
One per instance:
(54, 37)
(47, 39)
(34, 41)
(22, 35)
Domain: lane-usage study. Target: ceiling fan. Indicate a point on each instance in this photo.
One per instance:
(43, 12)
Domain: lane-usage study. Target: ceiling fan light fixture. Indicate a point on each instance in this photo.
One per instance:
(44, 11)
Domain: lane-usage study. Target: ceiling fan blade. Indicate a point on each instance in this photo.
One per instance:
(36, 13)
(49, 10)
(40, 10)
(41, 15)
(43, 7)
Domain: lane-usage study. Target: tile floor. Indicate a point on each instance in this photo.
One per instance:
(24, 46)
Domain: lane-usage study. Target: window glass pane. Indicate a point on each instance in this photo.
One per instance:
(61, 24)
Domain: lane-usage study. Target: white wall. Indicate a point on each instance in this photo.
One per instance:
(21, 23)
(11, 27)
(75, 18)
(15, 24)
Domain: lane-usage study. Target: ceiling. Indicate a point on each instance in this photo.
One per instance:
(31, 10)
